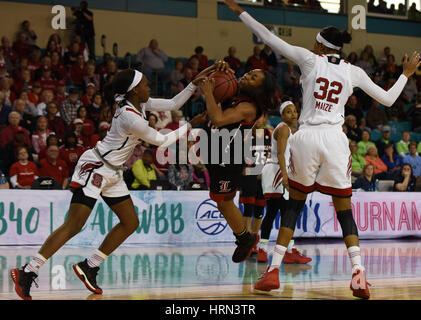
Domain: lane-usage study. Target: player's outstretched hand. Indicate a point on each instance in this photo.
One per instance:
(409, 67)
(207, 86)
(233, 6)
(219, 65)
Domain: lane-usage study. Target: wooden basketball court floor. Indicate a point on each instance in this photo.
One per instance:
(205, 271)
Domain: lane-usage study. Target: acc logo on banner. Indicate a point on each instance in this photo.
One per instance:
(209, 219)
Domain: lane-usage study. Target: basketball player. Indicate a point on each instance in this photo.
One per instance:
(251, 194)
(275, 183)
(99, 172)
(238, 115)
(320, 156)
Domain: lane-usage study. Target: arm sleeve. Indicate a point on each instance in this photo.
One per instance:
(171, 104)
(361, 80)
(140, 127)
(301, 56)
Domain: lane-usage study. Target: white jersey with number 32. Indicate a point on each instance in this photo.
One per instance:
(326, 90)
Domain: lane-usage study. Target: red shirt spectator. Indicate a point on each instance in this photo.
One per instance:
(47, 81)
(86, 99)
(77, 71)
(54, 167)
(23, 172)
(256, 61)
(202, 58)
(8, 132)
(70, 152)
(57, 66)
(8, 50)
(233, 61)
(21, 47)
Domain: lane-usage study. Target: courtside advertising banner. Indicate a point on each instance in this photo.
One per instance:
(29, 216)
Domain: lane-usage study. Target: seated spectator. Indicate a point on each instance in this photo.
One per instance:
(24, 83)
(410, 90)
(105, 114)
(83, 139)
(55, 123)
(180, 176)
(164, 117)
(46, 65)
(175, 76)
(383, 58)
(109, 74)
(34, 62)
(9, 95)
(9, 152)
(352, 107)
(61, 93)
(255, 61)
(392, 160)
(414, 113)
(384, 140)
(144, 171)
(8, 50)
(51, 140)
(373, 158)
(5, 109)
(70, 152)
(352, 57)
(233, 61)
(194, 67)
(30, 108)
(402, 147)
(91, 77)
(363, 125)
(413, 159)
(358, 161)
(8, 132)
(54, 167)
(86, 99)
(376, 116)
(47, 81)
(88, 124)
(364, 143)
(102, 68)
(94, 109)
(26, 120)
(289, 76)
(21, 47)
(390, 69)
(201, 175)
(77, 71)
(201, 58)
(405, 180)
(271, 61)
(176, 116)
(136, 155)
(196, 97)
(4, 184)
(23, 172)
(152, 60)
(70, 57)
(70, 106)
(365, 64)
(103, 128)
(58, 67)
(366, 181)
(40, 135)
(47, 97)
(354, 132)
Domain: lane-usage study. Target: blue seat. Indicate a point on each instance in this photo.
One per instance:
(375, 135)
(275, 120)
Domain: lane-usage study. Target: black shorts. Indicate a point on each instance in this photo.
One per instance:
(251, 191)
(224, 181)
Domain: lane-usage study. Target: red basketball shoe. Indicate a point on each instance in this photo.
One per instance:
(262, 256)
(269, 280)
(359, 284)
(295, 257)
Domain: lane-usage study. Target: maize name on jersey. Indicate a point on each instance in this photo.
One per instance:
(320, 105)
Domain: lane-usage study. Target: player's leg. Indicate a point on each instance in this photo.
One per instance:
(80, 209)
(247, 199)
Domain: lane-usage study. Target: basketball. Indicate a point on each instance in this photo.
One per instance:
(226, 85)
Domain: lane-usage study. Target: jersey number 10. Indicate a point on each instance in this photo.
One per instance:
(332, 94)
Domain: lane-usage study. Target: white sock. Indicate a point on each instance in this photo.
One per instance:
(96, 259)
(263, 244)
(355, 255)
(36, 263)
(278, 256)
(290, 246)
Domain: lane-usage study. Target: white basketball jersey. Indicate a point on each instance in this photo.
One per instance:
(274, 148)
(326, 90)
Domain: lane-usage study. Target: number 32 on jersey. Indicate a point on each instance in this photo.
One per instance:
(328, 93)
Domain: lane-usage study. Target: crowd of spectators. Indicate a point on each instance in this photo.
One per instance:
(52, 109)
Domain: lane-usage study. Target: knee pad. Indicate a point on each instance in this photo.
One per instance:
(258, 212)
(347, 222)
(248, 210)
(290, 215)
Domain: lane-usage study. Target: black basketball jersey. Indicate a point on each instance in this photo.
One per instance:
(258, 145)
(237, 134)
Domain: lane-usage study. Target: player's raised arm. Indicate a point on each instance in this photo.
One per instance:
(157, 104)
(361, 80)
(296, 54)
